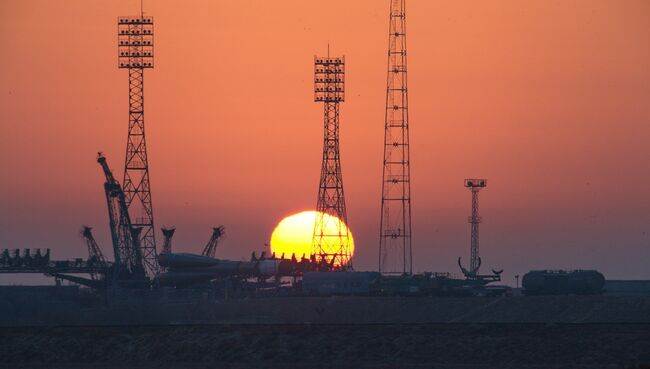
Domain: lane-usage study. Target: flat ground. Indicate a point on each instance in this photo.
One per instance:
(331, 346)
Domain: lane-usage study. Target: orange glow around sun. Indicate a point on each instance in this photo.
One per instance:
(293, 235)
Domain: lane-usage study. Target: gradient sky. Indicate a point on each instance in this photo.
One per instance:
(549, 100)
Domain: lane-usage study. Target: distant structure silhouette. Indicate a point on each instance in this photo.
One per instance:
(395, 253)
(129, 260)
(331, 242)
(474, 185)
(135, 53)
(95, 255)
(211, 247)
(168, 234)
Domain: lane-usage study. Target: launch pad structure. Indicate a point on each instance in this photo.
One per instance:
(137, 265)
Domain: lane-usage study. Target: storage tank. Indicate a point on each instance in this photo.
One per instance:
(562, 282)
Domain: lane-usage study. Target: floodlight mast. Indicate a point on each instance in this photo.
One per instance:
(331, 242)
(135, 53)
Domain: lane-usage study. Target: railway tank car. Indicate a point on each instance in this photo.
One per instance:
(562, 282)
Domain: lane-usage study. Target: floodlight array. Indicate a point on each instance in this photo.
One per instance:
(135, 42)
(329, 79)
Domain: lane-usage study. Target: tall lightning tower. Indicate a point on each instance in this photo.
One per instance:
(395, 254)
(331, 239)
(135, 53)
(474, 185)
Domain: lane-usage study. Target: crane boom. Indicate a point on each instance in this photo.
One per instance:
(95, 255)
(94, 252)
(125, 237)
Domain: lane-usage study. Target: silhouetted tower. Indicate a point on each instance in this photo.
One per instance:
(135, 51)
(395, 254)
(331, 242)
(475, 185)
(95, 255)
(168, 233)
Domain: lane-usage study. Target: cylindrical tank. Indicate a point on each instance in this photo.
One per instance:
(220, 269)
(185, 268)
(586, 282)
(268, 268)
(561, 282)
(185, 260)
(286, 267)
(183, 278)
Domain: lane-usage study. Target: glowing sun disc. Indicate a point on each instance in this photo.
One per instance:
(293, 235)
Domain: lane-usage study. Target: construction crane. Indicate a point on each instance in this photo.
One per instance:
(211, 246)
(125, 237)
(128, 268)
(95, 255)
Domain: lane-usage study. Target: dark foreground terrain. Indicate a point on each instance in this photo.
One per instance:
(18, 308)
(331, 346)
(63, 328)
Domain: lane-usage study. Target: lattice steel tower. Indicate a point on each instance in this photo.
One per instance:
(331, 239)
(475, 185)
(395, 254)
(135, 52)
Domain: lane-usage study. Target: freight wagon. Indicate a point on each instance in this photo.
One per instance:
(562, 282)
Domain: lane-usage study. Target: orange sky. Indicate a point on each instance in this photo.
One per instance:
(549, 100)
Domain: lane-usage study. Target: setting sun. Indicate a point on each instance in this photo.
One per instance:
(293, 235)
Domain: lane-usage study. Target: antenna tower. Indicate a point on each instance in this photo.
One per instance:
(395, 254)
(135, 53)
(331, 239)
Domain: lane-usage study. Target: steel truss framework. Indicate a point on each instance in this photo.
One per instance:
(331, 239)
(474, 185)
(135, 52)
(125, 237)
(395, 252)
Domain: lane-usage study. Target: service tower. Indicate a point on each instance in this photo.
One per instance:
(474, 185)
(331, 239)
(395, 255)
(135, 53)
